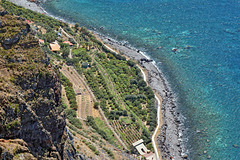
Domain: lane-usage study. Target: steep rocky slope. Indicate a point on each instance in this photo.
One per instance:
(30, 97)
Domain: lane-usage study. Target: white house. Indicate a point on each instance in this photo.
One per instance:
(142, 150)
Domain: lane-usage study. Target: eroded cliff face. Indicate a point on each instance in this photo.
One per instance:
(30, 97)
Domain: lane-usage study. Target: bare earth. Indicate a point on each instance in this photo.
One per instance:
(84, 100)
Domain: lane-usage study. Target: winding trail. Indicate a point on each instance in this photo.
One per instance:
(159, 121)
(69, 36)
(157, 128)
(144, 75)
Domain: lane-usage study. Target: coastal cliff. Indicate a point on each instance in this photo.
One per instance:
(32, 121)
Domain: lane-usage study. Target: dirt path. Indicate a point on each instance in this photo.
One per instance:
(83, 97)
(159, 119)
(70, 53)
(68, 35)
(157, 130)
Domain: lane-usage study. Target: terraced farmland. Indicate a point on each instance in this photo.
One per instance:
(84, 99)
(128, 133)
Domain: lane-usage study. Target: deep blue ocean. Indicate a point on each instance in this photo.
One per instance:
(205, 70)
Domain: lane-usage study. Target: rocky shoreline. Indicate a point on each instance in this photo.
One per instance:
(170, 138)
(29, 5)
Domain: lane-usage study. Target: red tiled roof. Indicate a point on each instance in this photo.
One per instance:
(29, 22)
(148, 154)
(67, 42)
(41, 40)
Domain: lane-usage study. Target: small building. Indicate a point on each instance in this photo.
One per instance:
(85, 65)
(68, 42)
(29, 22)
(143, 151)
(77, 90)
(59, 34)
(150, 156)
(140, 147)
(41, 41)
(54, 47)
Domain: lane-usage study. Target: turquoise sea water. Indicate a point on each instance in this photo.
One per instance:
(206, 76)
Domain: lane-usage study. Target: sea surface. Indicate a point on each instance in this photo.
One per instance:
(204, 71)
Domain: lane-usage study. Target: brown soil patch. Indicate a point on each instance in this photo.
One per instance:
(84, 99)
(64, 96)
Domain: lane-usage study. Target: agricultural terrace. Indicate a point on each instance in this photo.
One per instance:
(121, 92)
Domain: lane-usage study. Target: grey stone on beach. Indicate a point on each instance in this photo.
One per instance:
(29, 5)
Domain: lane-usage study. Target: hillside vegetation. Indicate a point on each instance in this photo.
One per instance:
(30, 99)
(116, 82)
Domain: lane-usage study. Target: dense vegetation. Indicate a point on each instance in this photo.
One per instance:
(70, 112)
(69, 92)
(116, 82)
(42, 19)
(91, 122)
(72, 118)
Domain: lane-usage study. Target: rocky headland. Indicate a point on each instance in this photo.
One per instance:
(32, 121)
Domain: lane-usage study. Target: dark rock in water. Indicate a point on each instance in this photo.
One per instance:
(146, 60)
(235, 146)
(188, 47)
(185, 156)
(174, 49)
(198, 131)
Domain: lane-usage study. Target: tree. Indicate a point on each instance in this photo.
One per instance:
(96, 104)
(137, 126)
(76, 26)
(50, 36)
(65, 52)
(133, 119)
(125, 113)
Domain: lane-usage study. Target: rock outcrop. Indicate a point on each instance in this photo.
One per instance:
(32, 121)
(15, 149)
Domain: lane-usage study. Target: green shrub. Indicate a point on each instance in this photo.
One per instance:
(96, 152)
(109, 152)
(69, 92)
(96, 104)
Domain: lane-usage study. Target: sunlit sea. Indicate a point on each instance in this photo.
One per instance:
(204, 71)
